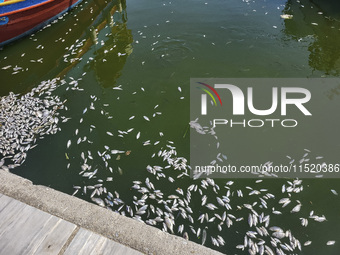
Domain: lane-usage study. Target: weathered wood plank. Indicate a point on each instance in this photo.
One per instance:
(111, 247)
(89, 243)
(27, 230)
(8, 213)
(4, 201)
(54, 240)
(82, 242)
(18, 222)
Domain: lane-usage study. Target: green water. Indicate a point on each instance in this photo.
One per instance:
(148, 49)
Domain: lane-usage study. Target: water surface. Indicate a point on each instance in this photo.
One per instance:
(135, 58)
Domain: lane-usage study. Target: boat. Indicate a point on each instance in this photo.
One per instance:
(19, 18)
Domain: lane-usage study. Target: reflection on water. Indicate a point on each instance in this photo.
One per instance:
(61, 45)
(318, 24)
(115, 50)
(108, 53)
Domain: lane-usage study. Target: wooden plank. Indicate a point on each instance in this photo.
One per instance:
(89, 243)
(17, 227)
(4, 201)
(9, 211)
(111, 247)
(54, 240)
(27, 230)
(81, 242)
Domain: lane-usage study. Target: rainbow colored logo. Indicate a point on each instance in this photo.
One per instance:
(209, 93)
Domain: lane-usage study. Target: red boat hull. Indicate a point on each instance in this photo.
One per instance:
(30, 19)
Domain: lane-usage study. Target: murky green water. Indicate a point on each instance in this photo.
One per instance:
(129, 58)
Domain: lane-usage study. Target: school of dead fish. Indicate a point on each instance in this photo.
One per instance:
(219, 206)
(219, 210)
(27, 118)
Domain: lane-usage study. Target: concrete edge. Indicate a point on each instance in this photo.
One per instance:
(124, 230)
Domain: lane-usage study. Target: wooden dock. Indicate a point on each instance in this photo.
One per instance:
(28, 230)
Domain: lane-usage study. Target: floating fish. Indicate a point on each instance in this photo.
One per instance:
(286, 16)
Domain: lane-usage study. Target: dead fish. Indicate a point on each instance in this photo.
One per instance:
(204, 236)
(120, 171)
(296, 208)
(211, 206)
(98, 201)
(307, 243)
(169, 224)
(186, 236)
(116, 151)
(334, 192)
